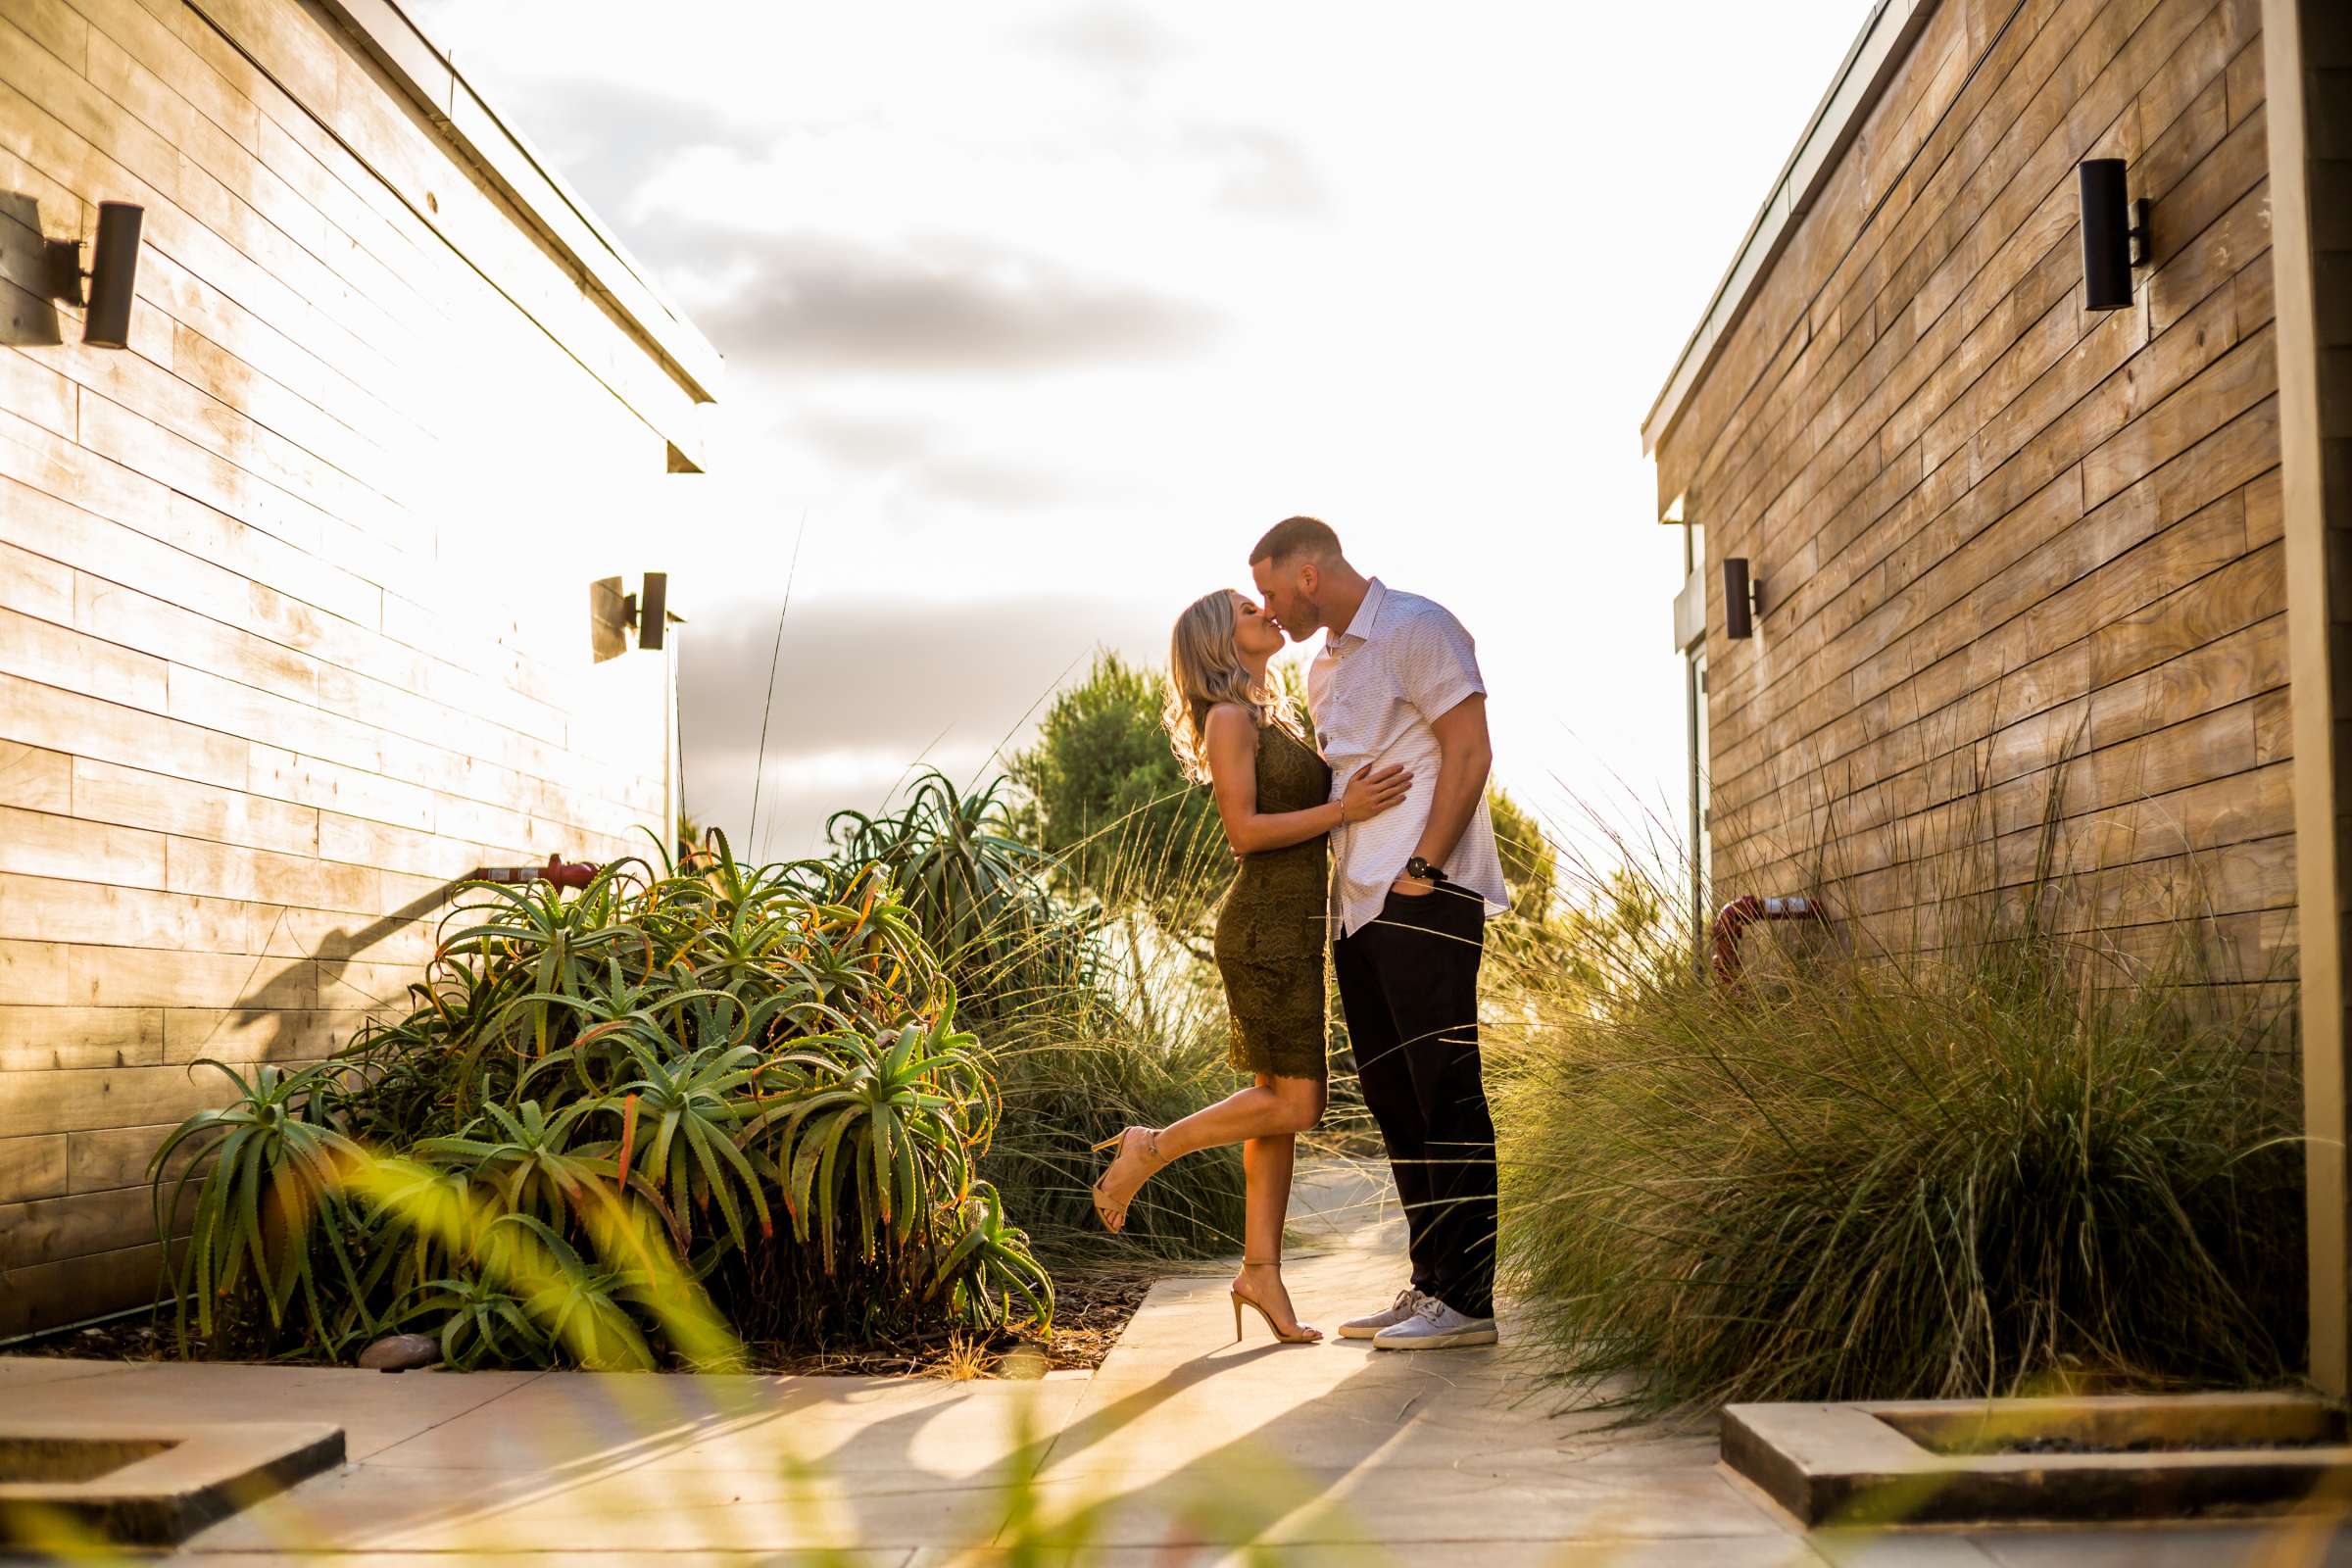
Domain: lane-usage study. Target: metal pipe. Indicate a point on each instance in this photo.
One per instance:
(59, 1330)
(558, 871)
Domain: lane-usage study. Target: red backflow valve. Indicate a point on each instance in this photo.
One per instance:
(1742, 912)
(561, 872)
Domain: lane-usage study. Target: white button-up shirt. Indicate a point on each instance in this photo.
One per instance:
(1375, 690)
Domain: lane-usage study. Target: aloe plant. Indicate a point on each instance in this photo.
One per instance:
(591, 1110)
(477, 1322)
(269, 1206)
(554, 942)
(576, 1303)
(976, 888)
(525, 1296)
(898, 1103)
(529, 1160)
(687, 1110)
(991, 1262)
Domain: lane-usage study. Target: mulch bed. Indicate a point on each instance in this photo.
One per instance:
(1092, 1306)
(126, 1339)
(1091, 1309)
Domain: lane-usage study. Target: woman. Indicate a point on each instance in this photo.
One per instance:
(1274, 796)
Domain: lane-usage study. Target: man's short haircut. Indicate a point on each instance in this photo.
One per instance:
(1296, 536)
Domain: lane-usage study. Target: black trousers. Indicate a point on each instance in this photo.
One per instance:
(1408, 985)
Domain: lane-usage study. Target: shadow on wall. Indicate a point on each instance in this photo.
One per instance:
(28, 320)
(287, 1010)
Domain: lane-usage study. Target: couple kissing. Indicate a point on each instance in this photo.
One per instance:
(1370, 839)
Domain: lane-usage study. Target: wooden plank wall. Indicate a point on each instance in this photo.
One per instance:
(292, 592)
(1994, 529)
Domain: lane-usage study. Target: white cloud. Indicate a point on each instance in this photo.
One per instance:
(1067, 302)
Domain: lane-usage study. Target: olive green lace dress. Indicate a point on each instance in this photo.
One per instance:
(1272, 929)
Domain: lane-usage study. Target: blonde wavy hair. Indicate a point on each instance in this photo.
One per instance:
(1203, 671)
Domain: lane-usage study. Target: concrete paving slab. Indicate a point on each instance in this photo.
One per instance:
(873, 1557)
(637, 1510)
(569, 1421)
(375, 1410)
(1210, 1349)
(1144, 1429)
(144, 1482)
(1687, 1552)
(1251, 1495)
(24, 1371)
(1192, 1319)
(1954, 1461)
(1176, 1394)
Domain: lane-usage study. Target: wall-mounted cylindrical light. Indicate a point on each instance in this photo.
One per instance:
(113, 272)
(1738, 598)
(2114, 233)
(653, 611)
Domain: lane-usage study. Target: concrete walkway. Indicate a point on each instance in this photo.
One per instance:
(1180, 1448)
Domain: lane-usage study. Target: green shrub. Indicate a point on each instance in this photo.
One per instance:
(1530, 866)
(2029, 1163)
(1102, 794)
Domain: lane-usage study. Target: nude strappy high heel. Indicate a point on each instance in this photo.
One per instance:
(1306, 1335)
(1115, 1219)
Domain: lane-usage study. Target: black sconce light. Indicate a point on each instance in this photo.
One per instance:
(113, 274)
(1743, 599)
(2115, 235)
(650, 613)
(614, 614)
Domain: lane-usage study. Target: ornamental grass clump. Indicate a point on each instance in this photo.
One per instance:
(1097, 1009)
(2033, 1160)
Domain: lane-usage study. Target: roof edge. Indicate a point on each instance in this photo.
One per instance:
(1879, 51)
(427, 73)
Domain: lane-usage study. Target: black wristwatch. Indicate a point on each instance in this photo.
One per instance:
(1418, 867)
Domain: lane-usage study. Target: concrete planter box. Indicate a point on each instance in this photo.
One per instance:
(145, 1483)
(1953, 1462)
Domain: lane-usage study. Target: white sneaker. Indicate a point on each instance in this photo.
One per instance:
(1434, 1326)
(1408, 1302)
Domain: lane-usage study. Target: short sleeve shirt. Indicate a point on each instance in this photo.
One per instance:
(1376, 690)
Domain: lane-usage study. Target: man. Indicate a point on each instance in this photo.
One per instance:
(1398, 681)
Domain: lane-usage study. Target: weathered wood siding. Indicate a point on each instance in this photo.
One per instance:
(293, 591)
(1992, 528)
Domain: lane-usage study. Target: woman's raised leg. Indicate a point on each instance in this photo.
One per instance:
(1270, 1108)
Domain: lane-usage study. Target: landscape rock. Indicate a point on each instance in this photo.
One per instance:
(402, 1352)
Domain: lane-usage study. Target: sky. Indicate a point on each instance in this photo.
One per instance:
(1036, 315)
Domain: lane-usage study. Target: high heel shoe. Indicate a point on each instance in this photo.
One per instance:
(1115, 1219)
(1306, 1334)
